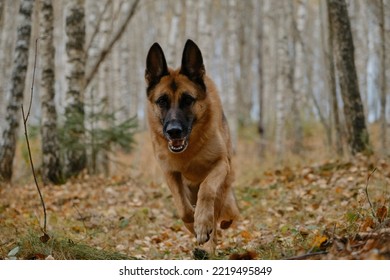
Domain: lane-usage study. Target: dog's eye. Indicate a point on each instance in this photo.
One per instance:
(163, 101)
(187, 100)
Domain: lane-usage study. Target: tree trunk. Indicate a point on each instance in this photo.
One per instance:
(260, 50)
(7, 42)
(282, 88)
(17, 84)
(295, 92)
(244, 84)
(373, 66)
(174, 33)
(383, 120)
(51, 168)
(232, 62)
(331, 76)
(74, 112)
(101, 104)
(357, 133)
(205, 38)
(191, 20)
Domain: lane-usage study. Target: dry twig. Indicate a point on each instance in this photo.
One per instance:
(45, 237)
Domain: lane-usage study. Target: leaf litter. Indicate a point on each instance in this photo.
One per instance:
(318, 211)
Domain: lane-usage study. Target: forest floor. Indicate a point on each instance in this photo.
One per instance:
(305, 209)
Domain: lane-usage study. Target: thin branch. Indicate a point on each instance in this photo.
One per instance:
(25, 118)
(45, 237)
(107, 48)
(96, 31)
(33, 80)
(368, 197)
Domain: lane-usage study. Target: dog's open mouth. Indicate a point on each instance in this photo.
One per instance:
(177, 145)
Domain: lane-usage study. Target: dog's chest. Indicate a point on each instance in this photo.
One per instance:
(192, 169)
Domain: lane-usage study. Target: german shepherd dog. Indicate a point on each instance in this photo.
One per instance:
(191, 142)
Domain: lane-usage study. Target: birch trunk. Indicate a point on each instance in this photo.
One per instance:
(357, 133)
(100, 160)
(373, 66)
(331, 75)
(259, 34)
(51, 168)
(294, 27)
(7, 42)
(191, 20)
(383, 120)
(15, 93)
(75, 76)
(282, 80)
(204, 32)
(232, 62)
(174, 34)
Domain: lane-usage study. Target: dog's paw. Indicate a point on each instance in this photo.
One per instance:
(203, 231)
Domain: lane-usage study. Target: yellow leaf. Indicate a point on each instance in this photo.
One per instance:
(246, 235)
(320, 241)
(381, 213)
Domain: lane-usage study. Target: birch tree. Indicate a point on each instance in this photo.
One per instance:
(51, 169)
(294, 27)
(75, 76)
(357, 134)
(259, 40)
(331, 76)
(232, 62)
(191, 19)
(204, 31)
(283, 69)
(16, 89)
(174, 33)
(373, 64)
(383, 97)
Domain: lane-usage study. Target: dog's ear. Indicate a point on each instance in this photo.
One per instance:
(156, 65)
(192, 63)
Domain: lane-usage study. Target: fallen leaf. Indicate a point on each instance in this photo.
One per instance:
(320, 242)
(246, 235)
(14, 251)
(381, 213)
(368, 224)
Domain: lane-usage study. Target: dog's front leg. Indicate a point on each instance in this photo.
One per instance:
(205, 223)
(183, 205)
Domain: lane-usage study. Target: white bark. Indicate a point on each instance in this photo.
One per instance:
(7, 45)
(232, 63)
(373, 61)
(173, 38)
(75, 76)
(282, 80)
(205, 39)
(51, 169)
(16, 90)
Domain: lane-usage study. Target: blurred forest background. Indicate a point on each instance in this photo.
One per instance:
(305, 87)
(271, 60)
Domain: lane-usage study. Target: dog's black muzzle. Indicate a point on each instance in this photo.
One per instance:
(176, 132)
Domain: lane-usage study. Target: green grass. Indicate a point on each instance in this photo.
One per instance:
(62, 248)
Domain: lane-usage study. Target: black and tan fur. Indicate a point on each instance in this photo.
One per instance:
(191, 141)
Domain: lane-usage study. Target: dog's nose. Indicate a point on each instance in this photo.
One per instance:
(174, 130)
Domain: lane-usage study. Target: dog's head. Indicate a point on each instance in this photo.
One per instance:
(175, 95)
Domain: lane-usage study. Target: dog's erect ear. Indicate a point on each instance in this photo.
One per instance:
(156, 65)
(192, 63)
